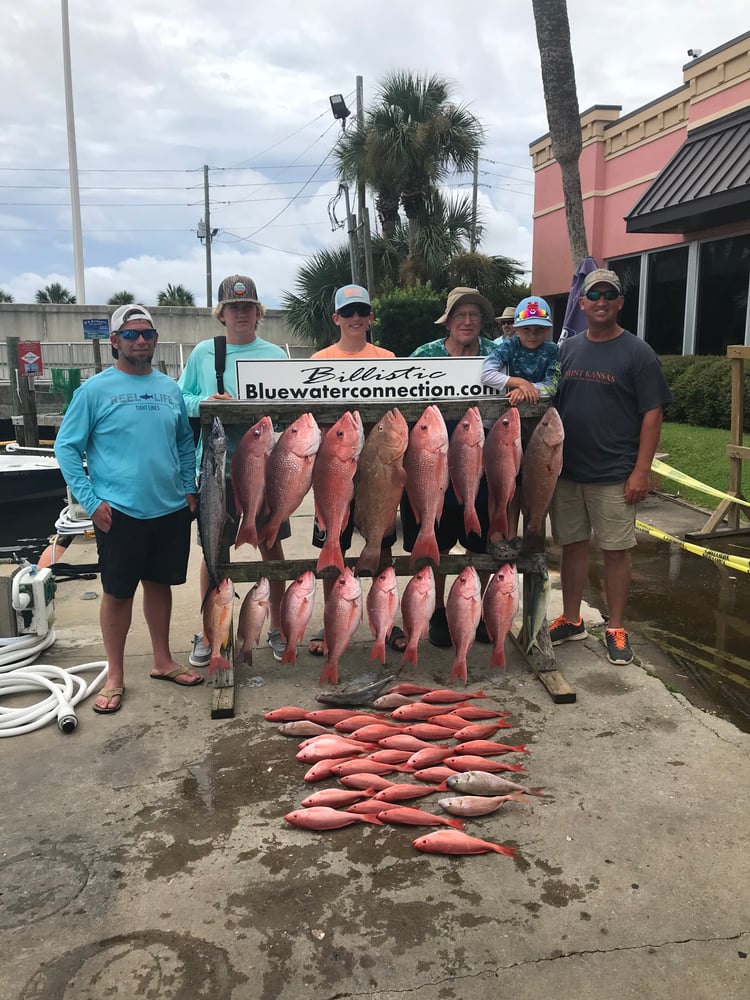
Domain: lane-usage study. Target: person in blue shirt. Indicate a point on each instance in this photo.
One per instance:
(525, 366)
(130, 423)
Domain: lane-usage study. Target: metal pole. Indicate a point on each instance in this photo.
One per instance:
(473, 243)
(351, 228)
(75, 200)
(363, 212)
(207, 217)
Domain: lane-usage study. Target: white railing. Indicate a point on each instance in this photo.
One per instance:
(81, 355)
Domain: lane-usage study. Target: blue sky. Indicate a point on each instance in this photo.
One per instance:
(160, 90)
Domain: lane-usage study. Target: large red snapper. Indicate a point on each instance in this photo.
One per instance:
(378, 485)
(217, 620)
(382, 606)
(325, 818)
(465, 465)
(426, 465)
(499, 608)
(473, 762)
(455, 842)
(502, 461)
(294, 613)
(417, 607)
(254, 610)
(328, 747)
(248, 475)
(335, 798)
(463, 609)
(542, 462)
(333, 484)
(289, 471)
(341, 619)
(417, 817)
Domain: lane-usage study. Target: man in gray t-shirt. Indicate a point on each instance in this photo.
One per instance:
(610, 396)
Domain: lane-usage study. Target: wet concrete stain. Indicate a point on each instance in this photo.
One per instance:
(36, 884)
(149, 964)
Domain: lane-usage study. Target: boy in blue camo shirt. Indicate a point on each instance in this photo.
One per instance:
(526, 365)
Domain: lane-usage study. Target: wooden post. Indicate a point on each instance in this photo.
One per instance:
(23, 400)
(97, 355)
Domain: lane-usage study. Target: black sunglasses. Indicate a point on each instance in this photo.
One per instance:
(135, 334)
(356, 308)
(595, 294)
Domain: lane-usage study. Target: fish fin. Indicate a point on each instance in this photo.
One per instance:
(498, 657)
(458, 673)
(410, 654)
(247, 534)
(330, 555)
(378, 651)
(509, 852)
(370, 818)
(457, 824)
(329, 673)
(471, 521)
(532, 541)
(218, 663)
(289, 655)
(369, 560)
(538, 790)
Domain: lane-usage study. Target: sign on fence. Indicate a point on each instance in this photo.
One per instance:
(96, 329)
(391, 380)
(30, 357)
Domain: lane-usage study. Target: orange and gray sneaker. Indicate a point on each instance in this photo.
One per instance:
(618, 647)
(562, 630)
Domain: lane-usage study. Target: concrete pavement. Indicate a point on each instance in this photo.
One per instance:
(147, 855)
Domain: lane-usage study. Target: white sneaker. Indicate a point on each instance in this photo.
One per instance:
(200, 654)
(277, 643)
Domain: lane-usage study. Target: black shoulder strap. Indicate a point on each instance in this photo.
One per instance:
(220, 359)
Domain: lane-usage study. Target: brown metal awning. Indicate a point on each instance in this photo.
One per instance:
(705, 184)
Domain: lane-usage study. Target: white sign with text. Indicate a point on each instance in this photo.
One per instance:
(363, 381)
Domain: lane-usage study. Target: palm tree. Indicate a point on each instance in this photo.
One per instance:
(309, 309)
(407, 144)
(175, 295)
(563, 117)
(5, 296)
(55, 292)
(122, 298)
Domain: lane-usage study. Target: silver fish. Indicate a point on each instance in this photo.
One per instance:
(212, 505)
(350, 695)
(540, 591)
(485, 783)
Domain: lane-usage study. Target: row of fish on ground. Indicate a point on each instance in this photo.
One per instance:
(439, 738)
(342, 465)
(343, 614)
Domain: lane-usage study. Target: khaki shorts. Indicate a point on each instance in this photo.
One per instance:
(580, 508)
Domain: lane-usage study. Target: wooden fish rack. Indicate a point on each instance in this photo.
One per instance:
(539, 657)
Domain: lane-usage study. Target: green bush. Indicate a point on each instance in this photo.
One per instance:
(405, 318)
(702, 390)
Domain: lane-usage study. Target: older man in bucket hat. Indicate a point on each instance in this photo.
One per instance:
(466, 312)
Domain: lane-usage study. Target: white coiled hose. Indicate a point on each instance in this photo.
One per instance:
(63, 687)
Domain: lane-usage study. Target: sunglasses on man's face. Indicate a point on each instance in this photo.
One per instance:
(596, 293)
(135, 334)
(355, 309)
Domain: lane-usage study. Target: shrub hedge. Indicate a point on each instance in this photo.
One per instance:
(702, 390)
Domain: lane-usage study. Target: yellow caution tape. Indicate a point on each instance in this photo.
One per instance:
(662, 469)
(739, 563)
(653, 632)
(701, 662)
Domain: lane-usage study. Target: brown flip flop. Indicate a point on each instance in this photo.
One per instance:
(109, 693)
(178, 672)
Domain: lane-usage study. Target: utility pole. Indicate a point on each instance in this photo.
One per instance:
(362, 210)
(473, 242)
(209, 235)
(75, 198)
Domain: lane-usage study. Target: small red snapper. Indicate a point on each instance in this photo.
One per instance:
(426, 465)
(417, 607)
(341, 619)
(499, 608)
(294, 614)
(327, 747)
(475, 731)
(487, 748)
(248, 475)
(502, 462)
(542, 462)
(217, 619)
(379, 484)
(333, 484)
(417, 817)
(441, 696)
(254, 610)
(325, 818)
(455, 842)
(289, 471)
(473, 762)
(463, 610)
(335, 798)
(382, 607)
(465, 465)
(287, 713)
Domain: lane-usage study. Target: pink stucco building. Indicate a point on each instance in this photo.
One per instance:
(666, 194)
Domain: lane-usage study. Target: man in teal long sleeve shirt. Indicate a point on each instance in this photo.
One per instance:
(131, 425)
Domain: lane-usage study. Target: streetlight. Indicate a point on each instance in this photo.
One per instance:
(341, 113)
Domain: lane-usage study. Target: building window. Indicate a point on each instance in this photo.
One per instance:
(628, 270)
(665, 311)
(723, 275)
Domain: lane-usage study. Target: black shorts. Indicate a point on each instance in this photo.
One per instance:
(319, 536)
(155, 549)
(451, 527)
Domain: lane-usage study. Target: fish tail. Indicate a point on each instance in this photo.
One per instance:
(538, 790)
(247, 533)
(370, 818)
(458, 673)
(471, 521)
(369, 560)
(378, 650)
(410, 653)
(330, 554)
(329, 673)
(425, 547)
(245, 654)
(498, 656)
(269, 532)
(290, 653)
(516, 797)
(509, 852)
(457, 824)
(532, 541)
(218, 662)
